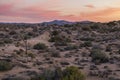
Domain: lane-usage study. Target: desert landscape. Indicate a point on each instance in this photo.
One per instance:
(59, 49)
(59, 39)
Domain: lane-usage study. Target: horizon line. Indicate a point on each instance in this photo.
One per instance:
(58, 20)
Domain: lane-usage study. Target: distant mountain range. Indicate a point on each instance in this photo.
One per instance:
(54, 22)
(58, 22)
(63, 22)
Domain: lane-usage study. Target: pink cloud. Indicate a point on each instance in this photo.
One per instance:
(5, 8)
(107, 14)
(37, 13)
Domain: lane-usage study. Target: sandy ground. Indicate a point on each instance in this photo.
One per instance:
(42, 39)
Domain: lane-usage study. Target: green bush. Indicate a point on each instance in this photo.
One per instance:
(119, 51)
(64, 63)
(98, 56)
(55, 39)
(55, 54)
(70, 73)
(25, 37)
(2, 43)
(71, 47)
(59, 39)
(86, 28)
(31, 55)
(86, 44)
(40, 46)
(54, 33)
(5, 66)
(111, 23)
(94, 27)
(12, 32)
(108, 48)
(7, 41)
(60, 43)
(87, 39)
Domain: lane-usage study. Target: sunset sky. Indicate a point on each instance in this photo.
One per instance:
(47, 10)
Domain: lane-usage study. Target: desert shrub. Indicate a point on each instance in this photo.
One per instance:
(55, 39)
(98, 56)
(54, 33)
(31, 55)
(50, 62)
(111, 23)
(64, 63)
(87, 39)
(119, 51)
(93, 67)
(2, 35)
(86, 44)
(98, 47)
(12, 32)
(71, 47)
(2, 43)
(5, 66)
(72, 73)
(51, 74)
(108, 49)
(25, 37)
(86, 28)
(114, 29)
(7, 40)
(59, 39)
(55, 53)
(68, 55)
(30, 33)
(95, 26)
(17, 44)
(19, 52)
(40, 46)
(67, 39)
(68, 25)
(60, 43)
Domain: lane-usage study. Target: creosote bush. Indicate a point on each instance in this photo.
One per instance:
(86, 44)
(55, 54)
(86, 28)
(55, 39)
(31, 55)
(71, 47)
(2, 43)
(98, 56)
(54, 33)
(108, 48)
(5, 65)
(40, 46)
(70, 73)
(7, 41)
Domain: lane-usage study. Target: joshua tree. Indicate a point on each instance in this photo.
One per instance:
(26, 45)
(24, 39)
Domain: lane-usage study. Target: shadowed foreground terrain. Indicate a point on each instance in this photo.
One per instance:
(75, 51)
